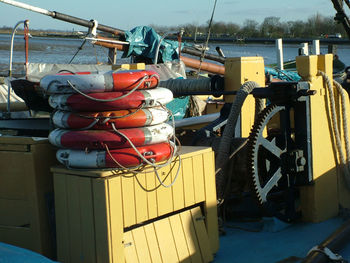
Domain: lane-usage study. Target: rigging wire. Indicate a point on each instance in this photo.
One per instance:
(207, 40)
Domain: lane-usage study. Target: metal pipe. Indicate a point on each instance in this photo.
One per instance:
(193, 52)
(155, 61)
(206, 66)
(335, 242)
(64, 17)
(10, 64)
(220, 52)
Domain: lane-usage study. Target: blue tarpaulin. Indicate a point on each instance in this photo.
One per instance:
(144, 41)
(283, 74)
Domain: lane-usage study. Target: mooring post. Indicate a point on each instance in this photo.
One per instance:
(316, 47)
(304, 49)
(279, 53)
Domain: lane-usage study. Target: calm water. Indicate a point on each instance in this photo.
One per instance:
(58, 50)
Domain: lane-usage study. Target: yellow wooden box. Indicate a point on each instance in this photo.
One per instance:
(25, 189)
(108, 216)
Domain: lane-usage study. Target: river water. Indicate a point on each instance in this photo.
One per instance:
(61, 50)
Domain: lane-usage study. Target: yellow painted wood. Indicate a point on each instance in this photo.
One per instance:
(191, 237)
(129, 206)
(180, 239)
(198, 176)
(102, 221)
(87, 219)
(74, 211)
(188, 181)
(152, 243)
(319, 201)
(164, 195)
(141, 198)
(165, 240)
(116, 219)
(178, 187)
(238, 71)
(201, 232)
(210, 208)
(62, 217)
(14, 212)
(119, 201)
(130, 249)
(151, 195)
(141, 245)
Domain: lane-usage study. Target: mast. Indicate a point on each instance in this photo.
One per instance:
(65, 17)
(341, 15)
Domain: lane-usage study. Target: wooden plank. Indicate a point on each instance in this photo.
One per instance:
(87, 220)
(130, 249)
(152, 243)
(210, 209)
(12, 177)
(188, 181)
(18, 236)
(15, 213)
(180, 239)
(141, 245)
(178, 187)
(151, 195)
(74, 219)
(191, 237)
(128, 192)
(201, 232)
(198, 177)
(164, 194)
(116, 217)
(61, 212)
(15, 147)
(165, 240)
(141, 198)
(102, 221)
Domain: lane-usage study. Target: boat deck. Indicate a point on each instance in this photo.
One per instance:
(272, 241)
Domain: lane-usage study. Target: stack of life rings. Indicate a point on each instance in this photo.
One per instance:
(111, 120)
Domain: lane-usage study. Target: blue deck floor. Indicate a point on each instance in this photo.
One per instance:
(274, 241)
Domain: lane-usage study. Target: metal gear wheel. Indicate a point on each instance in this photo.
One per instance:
(265, 154)
(268, 159)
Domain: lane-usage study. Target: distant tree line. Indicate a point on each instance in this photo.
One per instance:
(271, 27)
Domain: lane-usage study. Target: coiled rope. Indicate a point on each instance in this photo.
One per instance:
(344, 161)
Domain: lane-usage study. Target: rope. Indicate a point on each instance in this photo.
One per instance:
(337, 135)
(104, 118)
(114, 99)
(207, 40)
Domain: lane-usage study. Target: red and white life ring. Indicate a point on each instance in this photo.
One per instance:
(97, 82)
(78, 102)
(98, 139)
(126, 157)
(103, 120)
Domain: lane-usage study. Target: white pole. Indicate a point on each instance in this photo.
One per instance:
(28, 7)
(304, 49)
(316, 47)
(279, 53)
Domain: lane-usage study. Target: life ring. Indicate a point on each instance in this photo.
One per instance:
(127, 157)
(136, 99)
(103, 120)
(98, 82)
(98, 139)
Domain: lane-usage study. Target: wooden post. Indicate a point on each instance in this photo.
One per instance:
(316, 47)
(112, 56)
(279, 53)
(304, 49)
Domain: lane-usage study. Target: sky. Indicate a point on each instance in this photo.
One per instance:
(126, 14)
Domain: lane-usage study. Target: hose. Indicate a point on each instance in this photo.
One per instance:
(225, 142)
